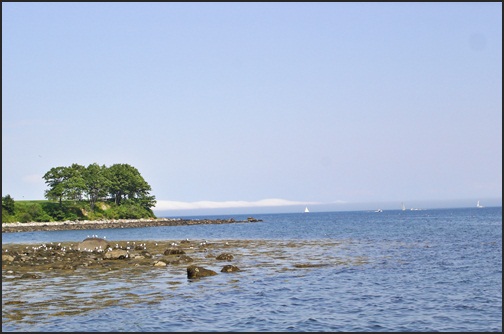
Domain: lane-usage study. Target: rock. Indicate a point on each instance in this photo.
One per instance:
(116, 254)
(185, 258)
(29, 275)
(146, 254)
(198, 272)
(178, 259)
(160, 264)
(225, 257)
(8, 258)
(229, 269)
(172, 251)
(92, 244)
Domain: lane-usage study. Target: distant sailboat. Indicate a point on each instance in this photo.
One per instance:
(306, 209)
(403, 207)
(478, 205)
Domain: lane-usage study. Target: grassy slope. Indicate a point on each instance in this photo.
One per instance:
(44, 210)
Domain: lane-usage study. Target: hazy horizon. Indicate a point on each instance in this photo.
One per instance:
(385, 206)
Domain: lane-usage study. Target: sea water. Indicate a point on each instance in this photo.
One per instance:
(425, 270)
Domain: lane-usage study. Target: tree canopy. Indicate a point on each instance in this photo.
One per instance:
(120, 183)
(8, 204)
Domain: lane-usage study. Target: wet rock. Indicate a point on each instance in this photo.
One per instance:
(178, 259)
(229, 269)
(185, 258)
(29, 275)
(173, 251)
(146, 254)
(225, 257)
(198, 272)
(64, 266)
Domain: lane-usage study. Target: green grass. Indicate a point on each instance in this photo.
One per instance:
(47, 211)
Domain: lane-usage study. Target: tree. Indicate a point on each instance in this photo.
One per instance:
(126, 183)
(65, 183)
(8, 204)
(96, 183)
(55, 179)
(75, 183)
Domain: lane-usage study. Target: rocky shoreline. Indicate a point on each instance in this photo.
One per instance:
(193, 258)
(35, 261)
(113, 223)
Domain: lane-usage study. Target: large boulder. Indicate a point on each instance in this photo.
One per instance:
(197, 272)
(92, 244)
(229, 269)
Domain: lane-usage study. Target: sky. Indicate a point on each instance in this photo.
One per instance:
(259, 107)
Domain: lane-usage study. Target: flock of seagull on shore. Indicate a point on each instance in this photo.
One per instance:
(128, 246)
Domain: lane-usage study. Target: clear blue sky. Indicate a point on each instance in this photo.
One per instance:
(231, 105)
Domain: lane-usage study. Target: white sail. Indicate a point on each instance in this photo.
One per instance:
(306, 209)
(478, 205)
(403, 207)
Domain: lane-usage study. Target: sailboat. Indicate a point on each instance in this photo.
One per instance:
(403, 207)
(478, 205)
(306, 209)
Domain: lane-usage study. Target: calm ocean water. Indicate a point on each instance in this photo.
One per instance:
(428, 270)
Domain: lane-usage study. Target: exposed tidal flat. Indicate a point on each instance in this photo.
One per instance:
(429, 270)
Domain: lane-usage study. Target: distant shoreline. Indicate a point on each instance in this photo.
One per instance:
(113, 223)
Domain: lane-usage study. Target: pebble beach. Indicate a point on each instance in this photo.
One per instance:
(113, 223)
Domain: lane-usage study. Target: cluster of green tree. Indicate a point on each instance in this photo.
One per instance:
(75, 191)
